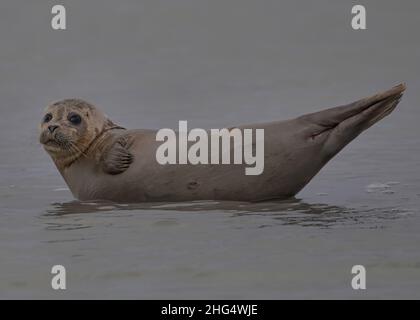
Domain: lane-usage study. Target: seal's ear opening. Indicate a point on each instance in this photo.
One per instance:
(111, 125)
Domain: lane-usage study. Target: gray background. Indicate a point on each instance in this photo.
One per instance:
(149, 64)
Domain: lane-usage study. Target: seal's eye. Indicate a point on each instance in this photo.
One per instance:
(47, 117)
(74, 118)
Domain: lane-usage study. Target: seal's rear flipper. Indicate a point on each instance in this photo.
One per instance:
(333, 116)
(334, 128)
(117, 158)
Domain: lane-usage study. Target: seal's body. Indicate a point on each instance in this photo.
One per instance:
(100, 160)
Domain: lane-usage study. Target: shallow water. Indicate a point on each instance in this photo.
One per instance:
(150, 64)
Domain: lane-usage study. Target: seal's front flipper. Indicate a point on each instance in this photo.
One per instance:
(117, 158)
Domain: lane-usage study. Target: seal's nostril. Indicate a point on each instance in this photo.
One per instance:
(52, 128)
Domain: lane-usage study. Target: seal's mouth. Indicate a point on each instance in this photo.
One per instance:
(47, 139)
(53, 141)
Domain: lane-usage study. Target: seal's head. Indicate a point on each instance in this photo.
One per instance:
(69, 127)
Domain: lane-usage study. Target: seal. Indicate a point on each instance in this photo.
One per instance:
(100, 160)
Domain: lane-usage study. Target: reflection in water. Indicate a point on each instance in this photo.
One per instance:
(285, 212)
